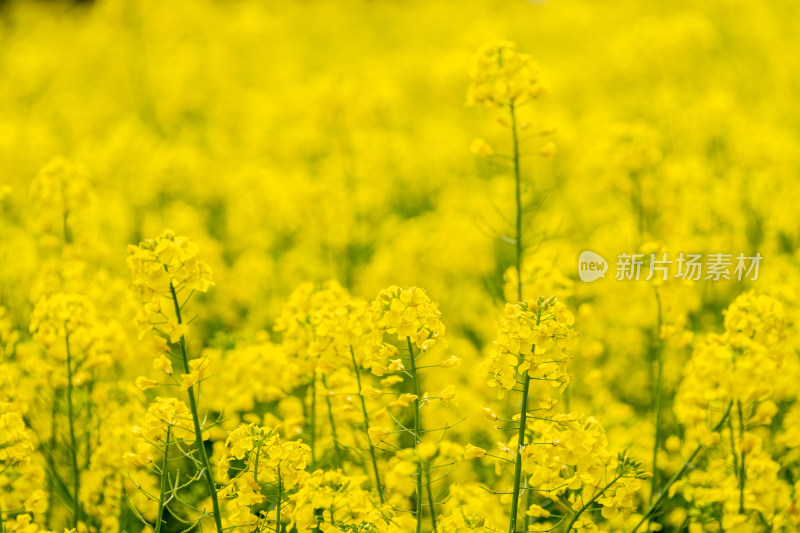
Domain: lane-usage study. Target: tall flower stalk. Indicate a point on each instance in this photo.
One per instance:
(163, 482)
(365, 414)
(161, 270)
(73, 442)
(166, 428)
(417, 431)
(193, 379)
(503, 78)
(66, 326)
(408, 315)
(658, 396)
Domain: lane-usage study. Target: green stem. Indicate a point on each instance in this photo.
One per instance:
(743, 472)
(417, 431)
(313, 428)
(357, 372)
(51, 470)
(339, 462)
(665, 489)
(658, 398)
(733, 449)
(518, 197)
(523, 419)
(198, 432)
(163, 495)
(65, 223)
(590, 502)
(430, 498)
(528, 503)
(518, 261)
(526, 382)
(278, 509)
(76, 473)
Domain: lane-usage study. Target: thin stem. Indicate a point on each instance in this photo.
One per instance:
(591, 501)
(198, 432)
(163, 495)
(339, 462)
(430, 498)
(658, 397)
(665, 489)
(76, 473)
(512, 526)
(357, 372)
(518, 196)
(313, 424)
(417, 431)
(51, 470)
(743, 472)
(528, 502)
(65, 224)
(278, 509)
(526, 379)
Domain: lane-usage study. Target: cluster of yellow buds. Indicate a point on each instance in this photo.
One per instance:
(407, 313)
(66, 325)
(538, 333)
(160, 268)
(740, 364)
(255, 457)
(333, 492)
(502, 76)
(322, 323)
(59, 190)
(168, 420)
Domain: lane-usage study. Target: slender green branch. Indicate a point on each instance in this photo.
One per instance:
(198, 432)
(339, 462)
(512, 526)
(742, 471)
(76, 473)
(278, 508)
(665, 489)
(357, 372)
(429, 489)
(162, 497)
(417, 432)
(659, 355)
(518, 197)
(526, 378)
(51, 470)
(591, 501)
(313, 425)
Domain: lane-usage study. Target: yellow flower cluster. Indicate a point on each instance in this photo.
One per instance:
(20, 477)
(168, 420)
(322, 324)
(330, 501)
(254, 459)
(407, 313)
(61, 189)
(739, 365)
(67, 327)
(535, 337)
(160, 269)
(502, 76)
(737, 484)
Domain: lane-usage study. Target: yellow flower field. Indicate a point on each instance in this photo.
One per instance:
(383, 266)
